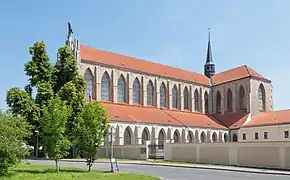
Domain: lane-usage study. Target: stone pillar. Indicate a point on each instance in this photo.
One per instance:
(181, 97)
(192, 98)
(223, 102)
(202, 110)
(98, 79)
(157, 87)
(144, 90)
(115, 86)
(169, 88)
(235, 98)
(129, 94)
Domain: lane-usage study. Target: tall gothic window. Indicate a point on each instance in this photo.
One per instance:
(262, 98)
(136, 92)
(121, 89)
(186, 99)
(89, 78)
(202, 137)
(174, 97)
(163, 95)
(161, 137)
(218, 102)
(176, 136)
(242, 98)
(190, 137)
(145, 135)
(229, 100)
(206, 102)
(150, 93)
(196, 100)
(106, 87)
(128, 136)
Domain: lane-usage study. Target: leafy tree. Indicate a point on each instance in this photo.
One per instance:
(91, 129)
(13, 132)
(55, 142)
(38, 68)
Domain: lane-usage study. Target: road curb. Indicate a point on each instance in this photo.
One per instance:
(245, 170)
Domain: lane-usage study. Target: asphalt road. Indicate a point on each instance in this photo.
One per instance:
(172, 173)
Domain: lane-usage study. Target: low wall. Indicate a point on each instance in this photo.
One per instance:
(263, 154)
(123, 152)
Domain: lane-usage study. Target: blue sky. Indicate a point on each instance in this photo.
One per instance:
(255, 33)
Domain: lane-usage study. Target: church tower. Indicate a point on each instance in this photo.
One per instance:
(209, 67)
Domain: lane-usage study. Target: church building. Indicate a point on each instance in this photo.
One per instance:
(147, 101)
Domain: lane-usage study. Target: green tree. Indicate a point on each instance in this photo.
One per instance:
(38, 68)
(69, 85)
(91, 129)
(13, 132)
(55, 142)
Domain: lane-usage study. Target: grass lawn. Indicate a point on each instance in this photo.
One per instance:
(36, 172)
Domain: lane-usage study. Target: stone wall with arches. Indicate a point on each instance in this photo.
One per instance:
(138, 133)
(116, 84)
(248, 94)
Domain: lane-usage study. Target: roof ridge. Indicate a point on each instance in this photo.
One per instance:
(119, 54)
(248, 70)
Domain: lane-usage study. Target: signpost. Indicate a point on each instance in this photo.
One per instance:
(113, 161)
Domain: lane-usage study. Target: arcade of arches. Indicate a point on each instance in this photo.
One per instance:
(133, 134)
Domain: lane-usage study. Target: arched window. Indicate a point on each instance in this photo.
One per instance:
(176, 137)
(196, 100)
(214, 137)
(106, 87)
(218, 102)
(226, 137)
(242, 94)
(128, 136)
(89, 78)
(161, 137)
(229, 100)
(262, 98)
(190, 137)
(145, 135)
(186, 98)
(150, 94)
(174, 97)
(206, 102)
(136, 92)
(121, 89)
(163, 95)
(235, 138)
(202, 137)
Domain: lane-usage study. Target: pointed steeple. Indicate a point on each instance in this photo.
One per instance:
(209, 54)
(209, 67)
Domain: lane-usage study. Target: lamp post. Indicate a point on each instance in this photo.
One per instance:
(37, 134)
(112, 148)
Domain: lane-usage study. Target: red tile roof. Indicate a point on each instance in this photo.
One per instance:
(132, 113)
(235, 74)
(270, 118)
(99, 56)
(232, 120)
(109, 58)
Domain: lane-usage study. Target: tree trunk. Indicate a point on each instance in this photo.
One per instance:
(56, 166)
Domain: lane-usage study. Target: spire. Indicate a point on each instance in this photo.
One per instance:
(209, 67)
(209, 54)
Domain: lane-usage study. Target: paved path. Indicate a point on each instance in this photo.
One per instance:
(172, 173)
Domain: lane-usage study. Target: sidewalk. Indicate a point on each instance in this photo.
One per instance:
(191, 165)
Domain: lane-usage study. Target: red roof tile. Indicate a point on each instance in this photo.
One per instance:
(104, 57)
(195, 119)
(109, 58)
(270, 118)
(235, 74)
(132, 113)
(232, 120)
